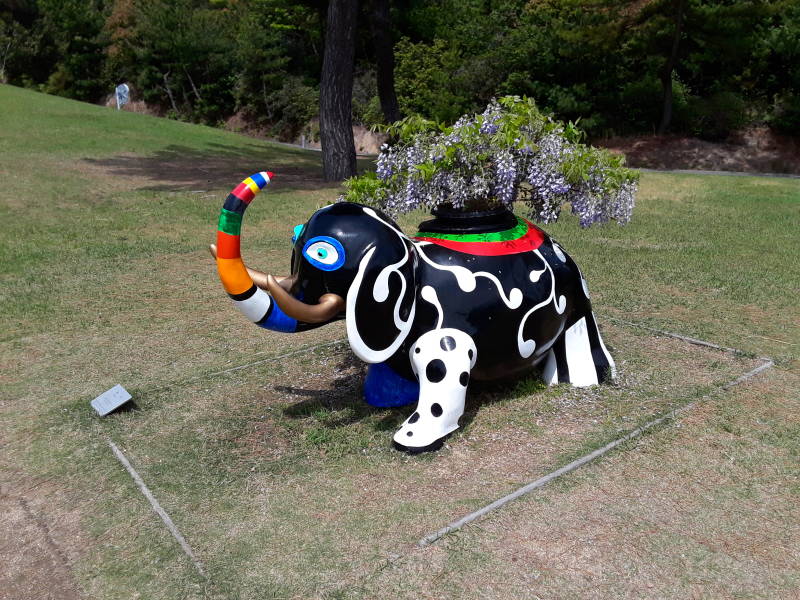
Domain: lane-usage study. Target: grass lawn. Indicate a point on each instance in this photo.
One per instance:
(284, 482)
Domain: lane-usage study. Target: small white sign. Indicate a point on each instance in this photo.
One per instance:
(111, 400)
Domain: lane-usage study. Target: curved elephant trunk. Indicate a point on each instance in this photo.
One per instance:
(281, 312)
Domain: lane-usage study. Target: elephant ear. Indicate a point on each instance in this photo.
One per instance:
(381, 301)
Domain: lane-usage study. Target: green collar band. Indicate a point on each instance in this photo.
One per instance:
(497, 236)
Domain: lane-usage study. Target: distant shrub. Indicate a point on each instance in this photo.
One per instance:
(785, 116)
(216, 101)
(642, 101)
(291, 107)
(716, 117)
(366, 105)
(424, 80)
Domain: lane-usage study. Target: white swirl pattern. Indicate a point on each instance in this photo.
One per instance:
(527, 347)
(428, 293)
(380, 292)
(467, 281)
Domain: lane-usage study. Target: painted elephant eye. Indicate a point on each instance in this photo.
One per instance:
(324, 252)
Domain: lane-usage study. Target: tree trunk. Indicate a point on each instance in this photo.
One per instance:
(169, 93)
(384, 59)
(336, 91)
(191, 82)
(669, 67)
(6, 53)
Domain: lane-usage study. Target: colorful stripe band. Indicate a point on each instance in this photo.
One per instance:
(228, 246)
(234, 204)
(244, 295)
(260, 179)
(252, 185)
(244, 192)
(256, 307)
(516, 232)
(254, 302)
(531, 240)
(230, 222)
(277, 320)
(234, 276)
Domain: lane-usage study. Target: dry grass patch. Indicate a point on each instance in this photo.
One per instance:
(707, 508)
(42, 538)
(282, 479)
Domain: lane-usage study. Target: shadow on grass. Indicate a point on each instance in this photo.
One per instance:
(218, 166)
(341, 404)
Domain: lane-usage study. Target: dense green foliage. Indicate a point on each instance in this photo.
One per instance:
(602, 60)
(200, 60)
(605, 62)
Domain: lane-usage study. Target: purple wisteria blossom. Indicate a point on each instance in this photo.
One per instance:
(490, 117)
(505, 178)
(510, 152)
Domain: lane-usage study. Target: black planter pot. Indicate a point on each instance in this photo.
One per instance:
(454, 221)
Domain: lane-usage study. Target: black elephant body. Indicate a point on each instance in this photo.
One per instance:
(438, 308)
(484, 313)
(513, 319)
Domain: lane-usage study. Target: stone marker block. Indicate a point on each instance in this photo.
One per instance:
(111, 400)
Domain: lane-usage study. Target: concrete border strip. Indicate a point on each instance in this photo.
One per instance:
(684, 338)
(156, 506)
(768, 363)
(587, 458)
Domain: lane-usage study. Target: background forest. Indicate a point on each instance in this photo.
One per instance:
(699, 67)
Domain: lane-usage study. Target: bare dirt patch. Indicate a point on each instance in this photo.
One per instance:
(41, 540)
(180, 168)
(753, 151)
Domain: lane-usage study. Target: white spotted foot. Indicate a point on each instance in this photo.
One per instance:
(442, 360)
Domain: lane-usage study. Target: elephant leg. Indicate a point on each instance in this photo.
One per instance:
(603, 363)
(383, 388)
(579, 356)
(442, 361)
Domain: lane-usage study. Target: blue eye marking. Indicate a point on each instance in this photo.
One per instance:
(325, 253)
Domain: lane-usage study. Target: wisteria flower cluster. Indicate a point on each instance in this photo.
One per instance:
(510, 152)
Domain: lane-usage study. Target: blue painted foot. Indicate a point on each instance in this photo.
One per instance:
(384, 388)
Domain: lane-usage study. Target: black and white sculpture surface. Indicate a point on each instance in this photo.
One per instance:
(428, 312)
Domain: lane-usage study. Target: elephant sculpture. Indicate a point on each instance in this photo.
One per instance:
(428, 313)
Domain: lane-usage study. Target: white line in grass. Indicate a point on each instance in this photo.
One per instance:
(185, 382)
(146, 491)
(273, 358)
(156, 506)
(542, 481)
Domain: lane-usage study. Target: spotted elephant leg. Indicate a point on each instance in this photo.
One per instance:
(442, 360)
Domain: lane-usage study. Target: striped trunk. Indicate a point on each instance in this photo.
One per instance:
(254, 302)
